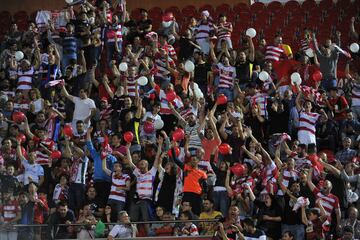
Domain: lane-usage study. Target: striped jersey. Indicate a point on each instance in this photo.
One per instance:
(170, 50)
(70, 45)
(25, 79)
(164, 108)
(270, 173)
(223, 34)
(307, 122)
(131, 82)
(144, 184)
(194, 139)
(113, 31)
(9, 210)
(160, 64)
(42, 156)
(260, 99)
(227, 75)
(203, 30)
(117, 182)
(287, 175)
(274, 53)
(330, 202)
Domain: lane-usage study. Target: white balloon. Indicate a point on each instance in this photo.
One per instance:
(123, 67)
(19, 55)
(159, 124)
(263, 76)
(309, 52)
(354, 47)
(296, 78)
(189, 66)
(69, 1)
(251, 32)
(142, 80)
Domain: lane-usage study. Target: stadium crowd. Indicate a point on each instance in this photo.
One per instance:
(109, 121)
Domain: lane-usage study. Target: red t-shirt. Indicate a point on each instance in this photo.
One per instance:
(339, 103)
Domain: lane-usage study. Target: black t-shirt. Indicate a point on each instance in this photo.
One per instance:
(290, 217)
(9, 183)
(186, 49)
(338, 189)
(200, 74)
(94, 204)
(256, 235)
(243, 72)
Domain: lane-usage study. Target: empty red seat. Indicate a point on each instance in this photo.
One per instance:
(292, 5)
(223, 8)
(135, 14)
(308, 4)
(20, 15)
(155, 11)
(274, 6)
(257, 6)
(189, 11)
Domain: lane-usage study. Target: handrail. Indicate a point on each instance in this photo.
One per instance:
(115, 223)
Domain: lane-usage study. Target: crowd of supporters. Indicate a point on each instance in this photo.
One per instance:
(108, 121)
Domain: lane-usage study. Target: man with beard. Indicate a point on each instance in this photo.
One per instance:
(63, 215)
(208, 228)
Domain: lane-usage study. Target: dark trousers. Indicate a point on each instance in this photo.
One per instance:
(76, 195)
(194, 200)
(103, 191)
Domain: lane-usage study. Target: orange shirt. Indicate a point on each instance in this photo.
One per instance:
(192, 177)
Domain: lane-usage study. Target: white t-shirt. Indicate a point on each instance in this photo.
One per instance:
(32, 170)
(151, 116)
(121, 231)
(83, 108)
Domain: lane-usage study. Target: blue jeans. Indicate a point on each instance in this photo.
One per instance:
(229, 93)
(116, 205)
(221, 202)
(328, 83)
(298, 230)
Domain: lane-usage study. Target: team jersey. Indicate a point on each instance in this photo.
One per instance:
(118, 182)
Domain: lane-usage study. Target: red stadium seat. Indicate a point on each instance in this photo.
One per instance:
(21, 15)
(292, 5)
(223, 8)
(274, 6)
(308, 4)
(257, 6)
(135, 14)
(189, 11)
(241, 7)
(155, 11)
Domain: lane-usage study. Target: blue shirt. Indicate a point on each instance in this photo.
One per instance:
(99, 174)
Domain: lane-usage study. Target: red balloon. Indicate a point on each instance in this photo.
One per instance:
(21, 137)
(177, 151)
(317, 76)
(222, 99)
(56, 155)
(178, 134)
(224, 149)
(68, 131)
(148, 127)
(18, 117)
(128, 137)
(170, 96)
(238, 169)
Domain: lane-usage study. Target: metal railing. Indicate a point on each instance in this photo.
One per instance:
(23, 227)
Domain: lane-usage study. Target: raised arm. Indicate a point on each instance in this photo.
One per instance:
(104, 167)
(27, 129)
(298, 99)
(18, 150)
(158, 158)
(128, 156)
(177, 114)
(309, 180)
(353, 32)
(252, 50)
(66, 94)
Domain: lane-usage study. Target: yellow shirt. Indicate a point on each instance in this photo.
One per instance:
(208, 228)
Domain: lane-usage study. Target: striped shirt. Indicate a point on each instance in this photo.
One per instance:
(42, 157)
(70, 45)
(222, 33)
(21, 107)
(164, 108)
(227, 75)
(114, 31)
(355, 94)
(170, 50)
(131, 85)
(9, 210)
(118, 182)
(260, 99)
(287, 176)
(330, 202)
(194, 139)
(274, 53)
(270, 173)
(25, 79)
(144, 184)
(160, 65)
(302, 163)
(203, 30)
(307, 122)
